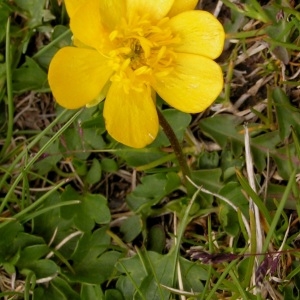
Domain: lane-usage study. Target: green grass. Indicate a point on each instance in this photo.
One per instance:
(83, 217)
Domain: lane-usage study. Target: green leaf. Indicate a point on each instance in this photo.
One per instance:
(35, 9)
(10, 267)
(50, 223)
(64, 287)
(93, 139)
(151, 190)
(243, 269)
(32, 253)
(147, 271)
(78, 141)
(192, 274)
(25, 239)
(41, 268)
(139, 157)
(229, 164)
(133, 267)
(256, 199)
(291, 292)
(80, 166)
(68, 195)
(96, 122)
(89, 291)
(94, 173)
(96, 207)
(125, 285)
(48, 293)
(91, 263)
(92, 209)
(275, 192)
(156, 238)
(50, 158)
(228, 219)
(173, 182)
(209, 179)
(9, 236)
(208, 160)
(113, 294)
(88, 271)
(223, 129)
(131, 228)
(287, 159)
(234, 193)
(263, 144)
(109, 165)
(28, 77)
(91, 244)
(287, 115)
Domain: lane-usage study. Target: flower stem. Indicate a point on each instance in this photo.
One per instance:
(175, 145)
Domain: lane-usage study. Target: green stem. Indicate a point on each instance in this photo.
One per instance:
(10, 103)
(175, 145)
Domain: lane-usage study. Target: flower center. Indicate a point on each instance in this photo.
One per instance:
(141, 50)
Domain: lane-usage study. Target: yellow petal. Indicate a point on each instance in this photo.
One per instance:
(155, 9)
(86, 24)
(199, 32)
(73, 5)
(101, 96)
(112, 11)
(77, 76)
(182, 5)
(130, 118)
(193, 85)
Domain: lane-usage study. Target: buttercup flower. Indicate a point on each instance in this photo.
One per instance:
(127, 51)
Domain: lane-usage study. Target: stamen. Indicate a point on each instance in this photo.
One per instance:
(145, 50)
(161, 53)
(142, 70)
(125, 64)
(113, 35)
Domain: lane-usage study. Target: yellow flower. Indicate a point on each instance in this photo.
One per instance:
(126, 50)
